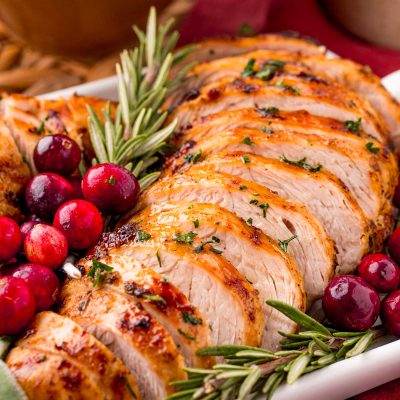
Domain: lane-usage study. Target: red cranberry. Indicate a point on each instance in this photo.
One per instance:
(46, 192)
(42, 281)
(17, 305)
(110, 187)
(391, 313)
(380, 271)
(27, 226)
(10, 238)
(81, 223)
(46, 245)
(77, 186)
(351, 303)
(57, 153)
(394, 245)
(396, 198)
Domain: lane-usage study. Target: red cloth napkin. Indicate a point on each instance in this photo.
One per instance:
(217, 17)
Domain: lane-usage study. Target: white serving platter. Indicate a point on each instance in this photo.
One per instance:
(343, 379)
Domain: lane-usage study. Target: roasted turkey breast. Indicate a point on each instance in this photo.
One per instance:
(28, 119)
(130, 332)
(257, 257)
(309, 151)
(322, 193)
(289, 224)
(160, 298)
(212, 49)
(14, 175)
(231, 307)
(287, 92)
(354, 76)
(57, 359)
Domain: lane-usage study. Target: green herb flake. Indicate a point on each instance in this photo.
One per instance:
(142, 236)
(250, 221)
(246, 29)
(41, 359)
(155, 298)
(186, 335)
(40, 128)
(353, 126)
(269, 69)
(196, 223)
(97, 270)
(216, 251)
(249, 68)
(267, 112)
(185, 238)
(245, 159)
(370, 147)
(284, 243)
(265, 129)
(193, 158)
(190, 319)
(289, 88)
(158, 259)
(264, 207)
(129, 387)
(248, 141)
(200, 248)
(254, 201)
(302, 164)
(243, 187)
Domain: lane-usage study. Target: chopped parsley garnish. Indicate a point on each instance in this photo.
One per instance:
(249, 68)
(40, 129)
(154, 298)
(192, 158)
(111, 180)
(267, 130)
(185, 238)
(243, 187)
(267, 112)
(302, 164)
(187, 335)
(266, 72)
(248, 141)
(284, 243)
(196, 223)
(158, 259)
(190, 319)
(290, 88)
(246, 29)
(200, 248)
(98, 270)
(245, 159)
(250, 221)
(264, 207)
(370, 147)
(142, 236)
(353, 126)
(41, 359)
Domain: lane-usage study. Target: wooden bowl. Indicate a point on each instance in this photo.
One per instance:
(376, 21)
(76, 27)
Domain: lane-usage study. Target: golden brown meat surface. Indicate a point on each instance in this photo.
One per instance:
(57, 359)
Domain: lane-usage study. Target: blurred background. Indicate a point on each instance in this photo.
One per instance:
(50, 44)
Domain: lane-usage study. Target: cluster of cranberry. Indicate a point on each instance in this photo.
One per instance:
(66, 215)
(354, 302)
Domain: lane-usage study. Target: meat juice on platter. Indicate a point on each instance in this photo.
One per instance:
(232, 184)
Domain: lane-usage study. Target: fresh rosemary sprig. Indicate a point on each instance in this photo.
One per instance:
(251, 370)
(134, 135)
